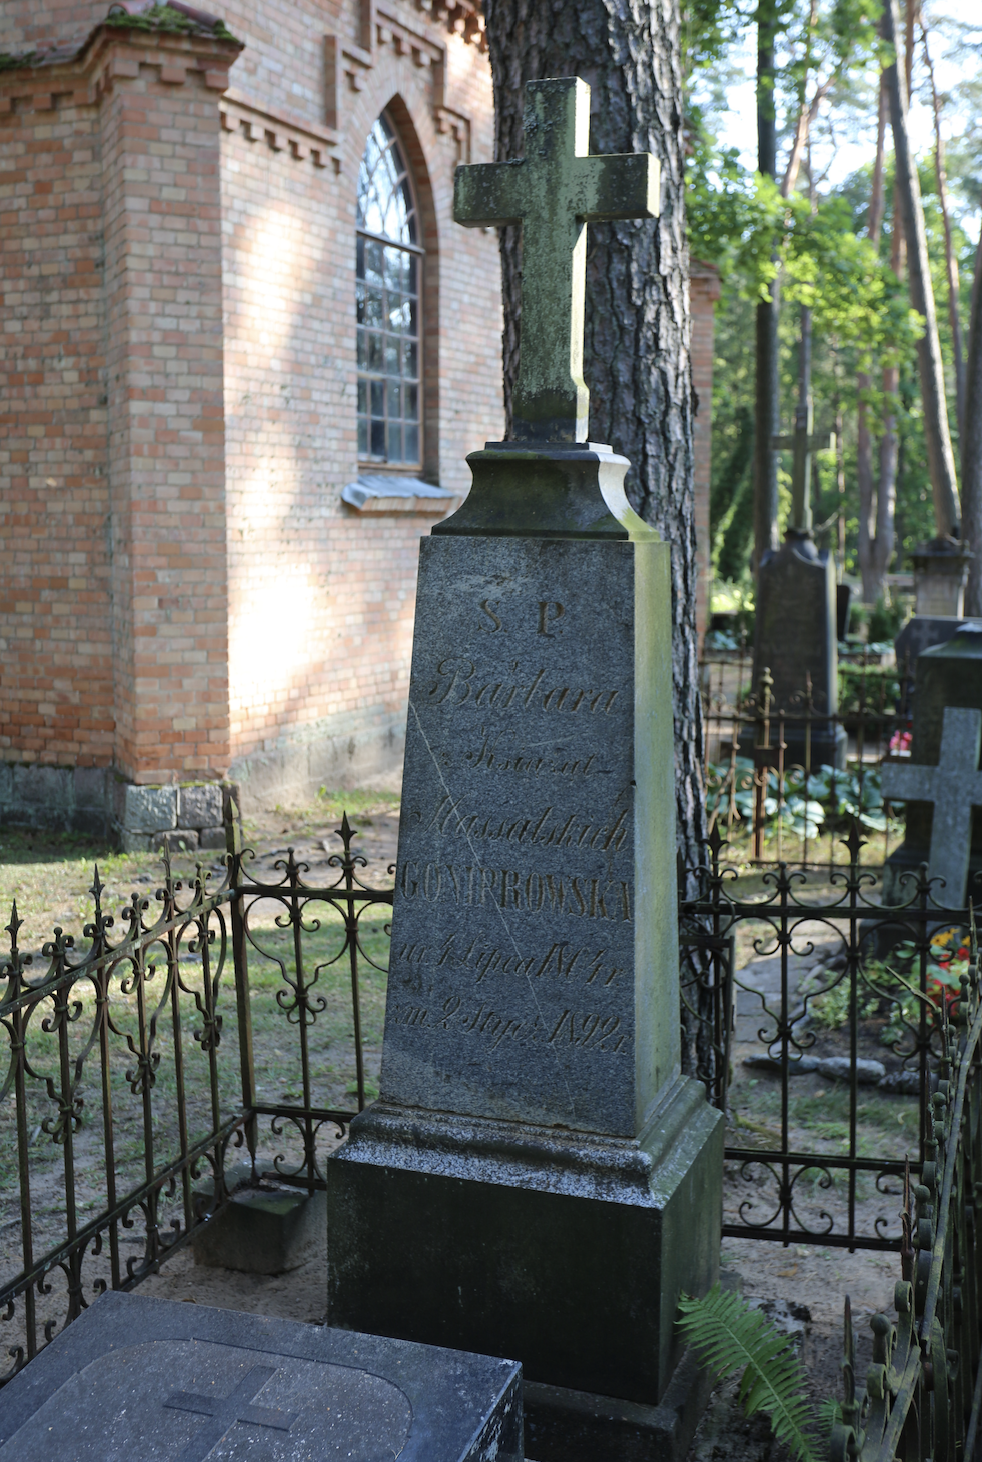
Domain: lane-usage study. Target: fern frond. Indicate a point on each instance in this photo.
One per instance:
(829, 1416)
(728, 1335)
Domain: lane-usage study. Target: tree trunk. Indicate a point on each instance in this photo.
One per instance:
(767, 391)
(951, 263)
(874, 553)
(972, 447)
(637, 361)
(941, 462)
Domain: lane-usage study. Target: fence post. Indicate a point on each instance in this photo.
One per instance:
(762, 769)
(240, 962)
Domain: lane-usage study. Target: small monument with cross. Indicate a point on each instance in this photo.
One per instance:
(941, 784)
(537, 1178)
(795, 636)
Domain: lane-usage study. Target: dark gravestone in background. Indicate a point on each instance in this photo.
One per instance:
(795, 638)
(843, 597)
(948, 674)
(922, 632)
(143, 1380)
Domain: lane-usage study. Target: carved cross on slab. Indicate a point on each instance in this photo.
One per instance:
(955, 788)
(225, 1412)
(554, 192)
(803, 442)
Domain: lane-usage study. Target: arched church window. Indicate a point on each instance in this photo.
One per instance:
(389, 262)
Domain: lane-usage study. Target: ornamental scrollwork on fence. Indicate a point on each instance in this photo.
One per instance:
(130, 1083)
(924, 1387)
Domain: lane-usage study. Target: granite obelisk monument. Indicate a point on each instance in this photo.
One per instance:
(537, 1180)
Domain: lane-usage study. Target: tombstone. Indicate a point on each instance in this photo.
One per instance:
(920, 633)
(160, 1381)
(843, 603)
(536, 1178)
(796, 630)
(940, 576)
(940, 780)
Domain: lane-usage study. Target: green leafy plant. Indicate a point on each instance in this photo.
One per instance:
(729, 1336)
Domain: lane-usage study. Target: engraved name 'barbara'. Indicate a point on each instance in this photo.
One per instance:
(550, 829)
(458, 682)
(511, 888)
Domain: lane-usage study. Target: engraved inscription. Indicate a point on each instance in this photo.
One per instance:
(489, 610)
(505, 755)
(563, 960)
(458, 682)
(576, 1030)
(549, 616)
(514, 888)
(548, 828)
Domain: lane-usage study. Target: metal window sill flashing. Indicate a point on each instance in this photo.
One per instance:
(388, 493)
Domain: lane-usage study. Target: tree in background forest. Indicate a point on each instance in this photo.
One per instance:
(839, 254)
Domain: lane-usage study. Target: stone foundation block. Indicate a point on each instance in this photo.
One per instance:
(200, 806)
(148, 809)
(573, 1426)
(178, 840)
(212, 837)
(134, 842)
(264, 1231)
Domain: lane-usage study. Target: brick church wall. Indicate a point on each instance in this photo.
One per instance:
(186, 594)
(189, 593)
(322, 596)
(56, 690)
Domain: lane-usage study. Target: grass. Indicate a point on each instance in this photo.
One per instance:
(50, 875)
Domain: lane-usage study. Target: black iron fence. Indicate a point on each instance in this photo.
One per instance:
(841, 1037)
(774, 806)
(208, 1022)
(824, 1041)
(923, 1390)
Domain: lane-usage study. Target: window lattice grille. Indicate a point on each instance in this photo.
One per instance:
(387, 294)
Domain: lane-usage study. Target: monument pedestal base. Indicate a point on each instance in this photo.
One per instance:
(572, 1426)
(565, 1250)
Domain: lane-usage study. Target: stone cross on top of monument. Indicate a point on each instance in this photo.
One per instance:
(554, 192)
(803, 442)
(955, 788)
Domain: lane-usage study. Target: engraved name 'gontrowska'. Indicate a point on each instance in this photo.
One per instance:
(514, 919)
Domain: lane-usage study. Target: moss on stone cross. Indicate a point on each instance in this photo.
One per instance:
(554, 192)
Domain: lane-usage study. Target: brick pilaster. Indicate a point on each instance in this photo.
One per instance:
(160, 141)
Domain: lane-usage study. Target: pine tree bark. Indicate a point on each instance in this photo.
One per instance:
(876, 498)
(972, 448)
(636, 348)
(767, 387)
(951, 260)
(941, 462)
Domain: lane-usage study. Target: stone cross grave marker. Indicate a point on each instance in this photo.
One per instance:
(554, 192)
(537, 1179)
(803, 441)
(954, 786)
(136, 1378)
